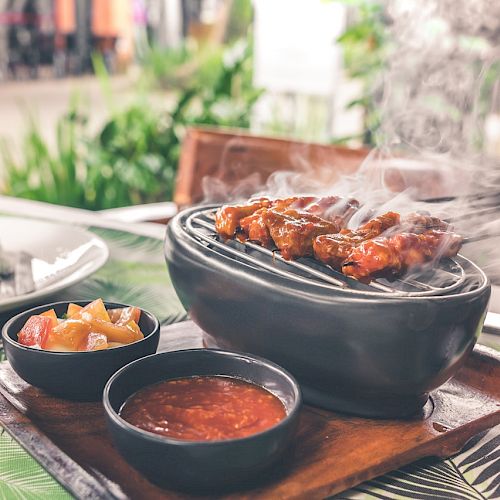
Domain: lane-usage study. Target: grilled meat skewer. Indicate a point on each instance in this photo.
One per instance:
(227, 218)
(253, 227)
(258, 221)
(419, 223)
(293, 231)
(395, 254)
(333, 249)
(307, 225)
(332, 209)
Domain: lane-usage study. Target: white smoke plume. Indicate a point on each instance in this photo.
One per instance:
(440, 82)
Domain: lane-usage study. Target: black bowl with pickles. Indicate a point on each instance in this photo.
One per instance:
(67, 363)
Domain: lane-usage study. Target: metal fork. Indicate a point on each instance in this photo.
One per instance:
(16, 275)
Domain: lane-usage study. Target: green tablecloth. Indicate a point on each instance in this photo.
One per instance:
(136, 273)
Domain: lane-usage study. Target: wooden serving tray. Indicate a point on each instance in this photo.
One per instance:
(332, 452)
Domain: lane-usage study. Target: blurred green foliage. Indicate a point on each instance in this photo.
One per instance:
(42, 174)
(365, 45)
(133, 158)
(240, 18)
(196, 61)
(183, 67)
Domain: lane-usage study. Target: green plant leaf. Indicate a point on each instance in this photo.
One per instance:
(133, 158)
(23, 478)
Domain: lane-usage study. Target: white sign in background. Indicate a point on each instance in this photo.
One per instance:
(295, 45)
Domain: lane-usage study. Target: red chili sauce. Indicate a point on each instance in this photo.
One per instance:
(203, 408)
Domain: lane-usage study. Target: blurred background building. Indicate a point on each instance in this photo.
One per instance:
(107, 88)
(61, 35)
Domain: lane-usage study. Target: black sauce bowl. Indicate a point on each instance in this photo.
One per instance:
(196, 465)
(74, 375)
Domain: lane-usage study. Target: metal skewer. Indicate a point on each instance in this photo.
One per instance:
(200, 222)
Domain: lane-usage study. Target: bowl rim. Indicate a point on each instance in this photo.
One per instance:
(14, 343)
(159, 439)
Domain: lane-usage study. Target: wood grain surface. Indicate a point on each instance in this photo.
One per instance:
(332, 452)
(241, 160)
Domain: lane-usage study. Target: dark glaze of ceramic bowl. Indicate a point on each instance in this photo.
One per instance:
(74, 375)
(205, 465)
(356, 352)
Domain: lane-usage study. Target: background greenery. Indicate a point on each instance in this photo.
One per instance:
(364, 45)
(133, 157)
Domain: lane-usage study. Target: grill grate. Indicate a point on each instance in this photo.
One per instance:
(448, 276)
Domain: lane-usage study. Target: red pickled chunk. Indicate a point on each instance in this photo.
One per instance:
(35, 331)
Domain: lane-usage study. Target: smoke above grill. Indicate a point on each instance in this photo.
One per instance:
(441, 81)
(441, 56)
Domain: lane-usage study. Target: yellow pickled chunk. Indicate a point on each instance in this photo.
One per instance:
(95, 310)
(68, 335)
(73, 309)
(123, 315)
(91, 328)
(94, 342)
(114, 333)
(132, 325)
(53, 317)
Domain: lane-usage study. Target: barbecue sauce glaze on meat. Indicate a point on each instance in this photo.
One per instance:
(290, 223)
(395, 254)
(227, 219)
(386, 245)
(333, 249)
(203, 408)
(293, 231)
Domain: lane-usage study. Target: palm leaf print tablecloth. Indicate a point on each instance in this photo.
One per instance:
(136, 273)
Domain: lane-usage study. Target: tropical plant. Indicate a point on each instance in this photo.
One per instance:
(42, 174)
(167, 68)
(21, 477)
(471, 475)
(180, 68)
(230, 99)
(133, 158)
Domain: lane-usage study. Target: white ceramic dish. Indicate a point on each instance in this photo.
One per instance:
(62, 255)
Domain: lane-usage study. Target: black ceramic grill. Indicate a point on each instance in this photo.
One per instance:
(372, 350)
(447, 276)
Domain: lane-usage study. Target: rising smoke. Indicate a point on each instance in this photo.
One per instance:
(442, 54)
(441, 80)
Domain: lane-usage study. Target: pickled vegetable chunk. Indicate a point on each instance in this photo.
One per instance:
(88, 328)
(35, 332)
